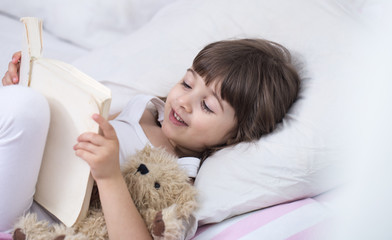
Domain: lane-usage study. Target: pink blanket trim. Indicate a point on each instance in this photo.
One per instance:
(318, 231)
(5, 236)
(256, 220)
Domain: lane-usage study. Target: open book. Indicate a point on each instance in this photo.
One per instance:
(64, 183)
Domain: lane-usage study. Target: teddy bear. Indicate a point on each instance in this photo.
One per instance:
(160, 189)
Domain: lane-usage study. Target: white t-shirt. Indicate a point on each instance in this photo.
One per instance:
(131, 136)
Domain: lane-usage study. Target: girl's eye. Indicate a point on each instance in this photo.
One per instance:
(185, 85)
(205, 107)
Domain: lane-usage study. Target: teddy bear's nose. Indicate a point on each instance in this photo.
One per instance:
(142, 169)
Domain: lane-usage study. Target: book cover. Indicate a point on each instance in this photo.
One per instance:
(64, 184)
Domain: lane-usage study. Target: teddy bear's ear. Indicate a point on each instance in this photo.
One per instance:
(155, 155)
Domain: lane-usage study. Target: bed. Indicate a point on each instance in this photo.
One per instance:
(281, 187)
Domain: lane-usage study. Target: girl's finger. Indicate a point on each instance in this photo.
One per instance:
(13, 72)
(107, 129)
(12, 67)
(4, 80)
(85, 155)
(92, 138)
(7, 80)
(16, 57)
(18, 67)
(86, 147)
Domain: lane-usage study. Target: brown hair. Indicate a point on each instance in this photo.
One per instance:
(257, 79)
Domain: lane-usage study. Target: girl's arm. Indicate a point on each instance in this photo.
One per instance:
(122, 218)
(102, 154)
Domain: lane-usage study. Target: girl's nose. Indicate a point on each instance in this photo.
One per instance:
(185, 102)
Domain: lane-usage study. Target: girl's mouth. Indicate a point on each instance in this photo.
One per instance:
(176, 119)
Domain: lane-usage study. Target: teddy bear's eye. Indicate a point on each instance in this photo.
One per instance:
(157, 185)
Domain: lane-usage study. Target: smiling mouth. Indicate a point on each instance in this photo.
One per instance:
(176, 119)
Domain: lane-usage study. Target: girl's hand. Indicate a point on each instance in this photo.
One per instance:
(100, 152)
(12, 75)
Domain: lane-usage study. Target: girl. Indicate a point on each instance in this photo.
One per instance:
(235, 91)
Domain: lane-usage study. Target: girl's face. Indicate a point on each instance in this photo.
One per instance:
(195, 115)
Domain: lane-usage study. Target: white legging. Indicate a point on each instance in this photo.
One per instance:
(24, 122)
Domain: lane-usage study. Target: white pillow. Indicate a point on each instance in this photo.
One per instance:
(291, 163)
(87, 23)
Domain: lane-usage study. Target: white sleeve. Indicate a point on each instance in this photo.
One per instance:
(130, 134)
(190, 164)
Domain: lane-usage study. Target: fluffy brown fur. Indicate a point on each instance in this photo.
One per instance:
(163, 196)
